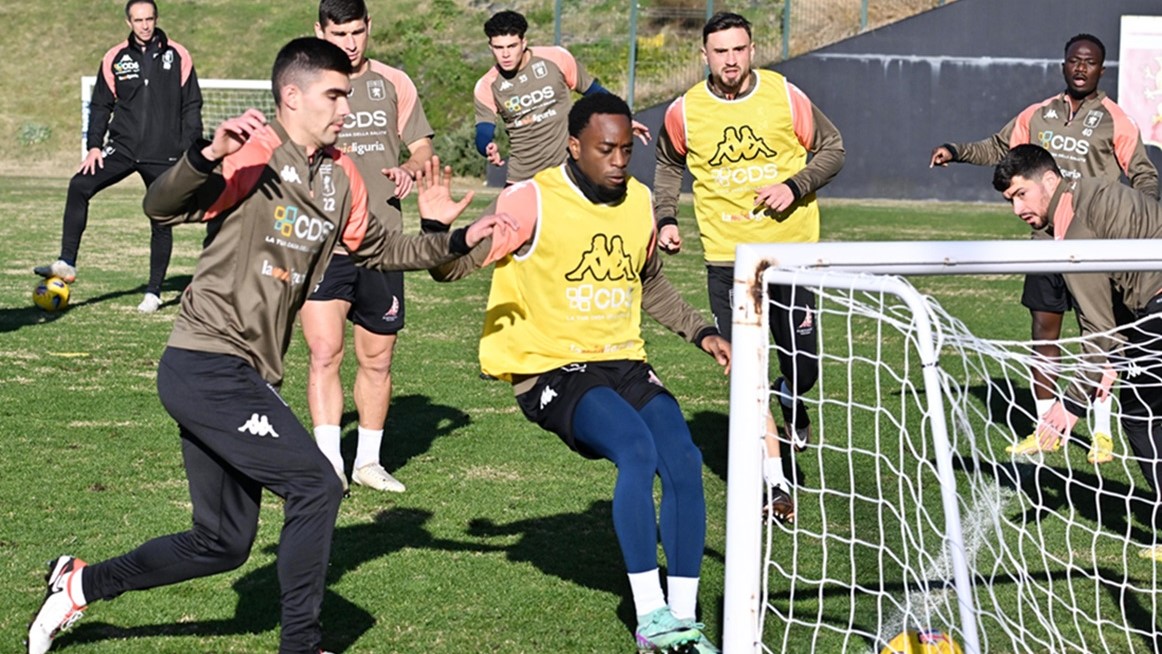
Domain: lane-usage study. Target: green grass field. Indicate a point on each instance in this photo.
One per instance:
(503, 541)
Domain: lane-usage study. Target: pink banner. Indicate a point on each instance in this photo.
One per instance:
(1140, 74)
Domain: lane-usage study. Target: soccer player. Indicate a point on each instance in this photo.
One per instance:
(385, 114)
(147, 98)
(1096, 208)
(563, 325)
(280, 197)
(530, 90)
(1089, 136)
(758, 150)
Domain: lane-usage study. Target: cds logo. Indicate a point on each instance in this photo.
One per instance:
(288, 222)
(518, 102)
(364, 119)
(1058, 143)
(126, 65)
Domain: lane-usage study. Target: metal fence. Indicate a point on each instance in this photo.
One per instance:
(648, 51)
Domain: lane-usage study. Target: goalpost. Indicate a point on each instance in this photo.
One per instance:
(221, 99)
(910, 514)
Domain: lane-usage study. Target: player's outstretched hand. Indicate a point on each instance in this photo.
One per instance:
(1054, 425)
(492, 151)
(642, 132)
(434, 194)
(93, 160)
(402, 178)
(719, 348)
(940, 156)
(486, 226)
(669, 239)
(776, 197)
(232, 134)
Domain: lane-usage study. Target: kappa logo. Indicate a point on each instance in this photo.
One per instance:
(505, 85)
(547, 396)
(258, 426)
(1050, 114)
(739, 144)
(605, 260)
(290, 175)
(1093, 119)
(376, 90)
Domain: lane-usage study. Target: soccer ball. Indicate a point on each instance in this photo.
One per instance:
(51, 294)
(922, 642)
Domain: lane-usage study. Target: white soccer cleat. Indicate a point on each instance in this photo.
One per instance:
(149, 304)
(373, 475)
(58, 268)
(59, 611)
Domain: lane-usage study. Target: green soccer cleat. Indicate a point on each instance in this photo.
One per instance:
(660, 631)
(703, 644)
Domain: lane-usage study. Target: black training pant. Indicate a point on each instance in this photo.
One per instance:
(83, 187)
(1140, 393)
(238, 437)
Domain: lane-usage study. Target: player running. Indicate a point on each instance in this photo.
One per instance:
(280, 198)
(563, 325)
(1089, 136)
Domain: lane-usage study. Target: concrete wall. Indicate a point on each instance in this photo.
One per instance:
(955, 73)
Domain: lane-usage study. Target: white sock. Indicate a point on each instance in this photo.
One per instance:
(368, 450)
(76, 590)
(1101, 415)
(683, 596)
(773, 471)
(327, 437)
(1043, 407)
(647, 591)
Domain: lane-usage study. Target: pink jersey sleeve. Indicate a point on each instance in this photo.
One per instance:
(565, 61)
(356, 226)
(675, 124)
(802, 117)
(521, 201)
(243, 170)
(1021, 133)
(482, 94)
(405, 92)
(1126, 135)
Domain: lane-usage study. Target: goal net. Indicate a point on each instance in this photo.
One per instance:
(910, 514)
(221, 99)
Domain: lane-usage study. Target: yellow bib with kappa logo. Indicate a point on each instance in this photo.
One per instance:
(575, 295)
(735, 147)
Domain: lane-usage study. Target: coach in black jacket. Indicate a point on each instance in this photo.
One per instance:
(148, 86)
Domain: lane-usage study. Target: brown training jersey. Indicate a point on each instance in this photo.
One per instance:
(386, 114)
(1098, 140)
(277, 217)
(534, 105)
(1105, 209)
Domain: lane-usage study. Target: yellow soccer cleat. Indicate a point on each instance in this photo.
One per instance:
(1154, 553)
(1032, 445)
(1102, 450)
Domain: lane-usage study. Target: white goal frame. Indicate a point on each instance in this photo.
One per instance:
(210, 84)
(804, 264)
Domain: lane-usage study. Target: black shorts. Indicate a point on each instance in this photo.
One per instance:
(376, 296)
(553, 399)
(1047, 293)
(720, 290)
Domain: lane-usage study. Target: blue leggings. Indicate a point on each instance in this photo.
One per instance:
(654, 440)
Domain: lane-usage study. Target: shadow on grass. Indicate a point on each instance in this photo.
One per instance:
(413, 423)
(257, 609)
(14, 318)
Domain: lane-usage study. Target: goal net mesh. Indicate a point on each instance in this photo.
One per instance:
(1052, 542)
(221, 99)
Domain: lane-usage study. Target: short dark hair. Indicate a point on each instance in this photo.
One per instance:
(724, 20)
(506, 23)
(596, 103)
(129, 5)
(338, 12)
(1086, 37)
(303, 58)
(1026, 160)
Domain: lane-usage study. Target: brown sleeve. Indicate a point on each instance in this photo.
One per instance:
(1093, 296)
(671, 163)
(988, 151)
(185, 192)
(663, 303)
(385, 250)
(1141, 172)
(827, 155)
